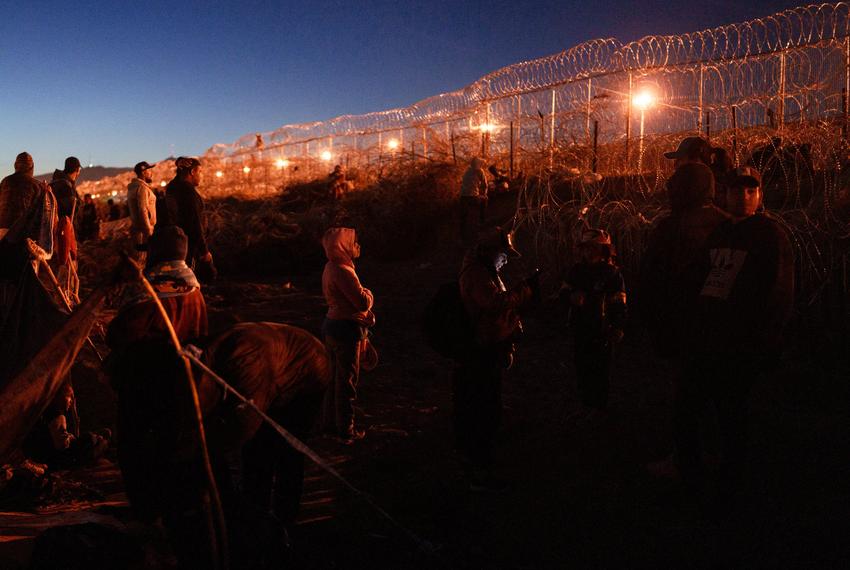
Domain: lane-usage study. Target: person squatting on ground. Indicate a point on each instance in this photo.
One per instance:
(744, 302)
(141, 201)
(473, 199)
(64, 260)
(493, 312)
(598, 299)
(345, 329)
(186, 209)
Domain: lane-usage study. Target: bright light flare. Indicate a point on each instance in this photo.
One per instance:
(281, 163)
(115, 192)
(488, 127)
(246, 169)
(644, 100)
(219, 173)
(326, 155)
(392, 144)
(162, 184)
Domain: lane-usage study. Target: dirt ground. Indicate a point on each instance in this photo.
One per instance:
(581, 496)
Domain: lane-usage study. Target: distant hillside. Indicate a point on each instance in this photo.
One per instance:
(93, 173)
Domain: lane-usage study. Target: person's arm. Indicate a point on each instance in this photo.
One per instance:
(349, 285)
(141, 210)
(195, 221)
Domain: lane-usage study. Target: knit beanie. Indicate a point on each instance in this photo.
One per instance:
(24, 163)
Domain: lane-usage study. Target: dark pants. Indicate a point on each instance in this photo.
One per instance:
(593, 368)
(473, 210)
(725, 381)
(273, 471)
(344, 349)
(477, 398)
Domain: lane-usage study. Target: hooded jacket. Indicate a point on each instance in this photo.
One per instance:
(493, 309)
(474, 181)
(142, 203)
(65, 191)
(347, 299)
(19, 192)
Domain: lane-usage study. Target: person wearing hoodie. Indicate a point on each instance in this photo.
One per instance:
(493, 312)
(345, 329)
(141, 201)
(64, 261)
(473, 197)
(19, 194)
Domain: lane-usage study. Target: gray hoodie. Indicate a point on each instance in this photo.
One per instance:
(142, 203)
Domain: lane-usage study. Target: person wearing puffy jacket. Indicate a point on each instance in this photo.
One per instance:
(345, 329)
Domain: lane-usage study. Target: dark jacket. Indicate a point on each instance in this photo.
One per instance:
(604, 293)
(748, 292)
(185, 209)
(18, 193)
(670, 273)
(493, 309)
(65, 191)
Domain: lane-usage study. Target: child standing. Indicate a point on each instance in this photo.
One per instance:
(598, 301)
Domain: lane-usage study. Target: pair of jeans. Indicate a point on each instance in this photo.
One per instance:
(342, 340)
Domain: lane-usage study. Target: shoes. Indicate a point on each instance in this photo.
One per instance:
(489, 485)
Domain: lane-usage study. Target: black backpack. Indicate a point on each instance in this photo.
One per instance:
(446, 325)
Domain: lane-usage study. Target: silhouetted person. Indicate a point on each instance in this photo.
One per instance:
(141, 202)
(89, 220)
(598, 298)
(477, 380)
(473, 199)
(744, 301)
(186, 209)
(20, 193)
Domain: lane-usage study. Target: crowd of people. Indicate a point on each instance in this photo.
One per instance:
(716, 289)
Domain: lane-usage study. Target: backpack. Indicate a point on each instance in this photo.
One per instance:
(446, 325)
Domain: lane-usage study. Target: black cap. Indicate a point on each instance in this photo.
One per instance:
(691, 147)
(72, 163)
(141, 167)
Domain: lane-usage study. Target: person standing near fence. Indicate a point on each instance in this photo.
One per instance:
(185, 208)
(473, 199)
(744, 302)
(345, 329)
(142, 204)
(64, 260)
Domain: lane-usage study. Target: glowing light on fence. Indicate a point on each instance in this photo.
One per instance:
(488, 127)
(326, 155)
(644, 100)
(162, 183)
(115, 192)
(246, 169)
(281, 163)
(392, 144)
(219, 173)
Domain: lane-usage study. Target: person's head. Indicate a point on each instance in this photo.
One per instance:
(72, 167)
(167, 243)
(189, 169)
(24, 163)
(110, 202)
(595, 246)
(340, 244)
(87, 199)
(497, 246)
(691, 149)
(476, 163)
(142, 171)
(690, 186)
(744, 195)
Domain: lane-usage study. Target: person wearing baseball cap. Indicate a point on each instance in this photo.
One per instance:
(745, 300)
(691, 149)
(64, 260)
(141, 201)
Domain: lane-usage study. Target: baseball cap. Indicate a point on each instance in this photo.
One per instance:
(746, 177)
(72, 163)
(141, 167)
(690, 146)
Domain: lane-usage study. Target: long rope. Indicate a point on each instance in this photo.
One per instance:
(425, 546)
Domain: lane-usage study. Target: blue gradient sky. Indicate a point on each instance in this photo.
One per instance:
(116, 83)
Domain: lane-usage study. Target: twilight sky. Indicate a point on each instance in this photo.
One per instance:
(118, 82)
